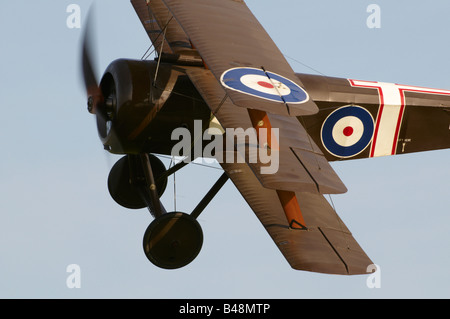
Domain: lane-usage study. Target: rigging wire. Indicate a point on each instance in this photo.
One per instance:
(160, 53)
(174, 193)
(145, 56)
(305, 65)
(193, 163)
(172, 161)
(340, 222)
(163, 32)
(301, 117)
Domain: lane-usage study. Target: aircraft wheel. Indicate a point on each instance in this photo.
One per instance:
(124, 192)
(173, 240)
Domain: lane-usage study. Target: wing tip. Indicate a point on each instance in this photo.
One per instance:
(335, 269)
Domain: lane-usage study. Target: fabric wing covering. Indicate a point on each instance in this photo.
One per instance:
(325, 245)
(224, 34)
(227, 35)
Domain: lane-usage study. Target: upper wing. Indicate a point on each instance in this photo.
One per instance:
(164, 31)
(229, 37)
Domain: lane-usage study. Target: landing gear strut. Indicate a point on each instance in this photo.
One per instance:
(174, 239)
(127, 180)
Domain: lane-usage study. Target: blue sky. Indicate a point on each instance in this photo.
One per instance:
(55, 209)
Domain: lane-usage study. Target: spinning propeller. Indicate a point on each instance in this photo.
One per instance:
(101, 98)
(126, 102)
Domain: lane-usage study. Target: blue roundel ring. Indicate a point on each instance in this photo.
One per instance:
(347, 131)
(263, 84)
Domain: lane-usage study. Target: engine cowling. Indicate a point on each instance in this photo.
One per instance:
(130, 98)
(135, 92)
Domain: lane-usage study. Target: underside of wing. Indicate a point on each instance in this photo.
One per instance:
(323, 245)
(289, 203)
(250, 88)
(296, 163)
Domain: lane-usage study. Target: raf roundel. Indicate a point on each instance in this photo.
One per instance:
(347, 131)
(263, 84)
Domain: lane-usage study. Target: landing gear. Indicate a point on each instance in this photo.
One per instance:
(172, 240)
(127, 176)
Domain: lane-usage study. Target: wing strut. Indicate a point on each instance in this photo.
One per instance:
(260, 121)
(210, 195)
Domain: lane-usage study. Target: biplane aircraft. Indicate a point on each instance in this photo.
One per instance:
(216, 64)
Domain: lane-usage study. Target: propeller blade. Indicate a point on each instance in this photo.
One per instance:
(93, 90)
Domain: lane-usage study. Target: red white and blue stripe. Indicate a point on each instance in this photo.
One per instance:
(390, 113)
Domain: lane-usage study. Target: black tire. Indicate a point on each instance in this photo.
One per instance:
(173, 240)
(123, 192)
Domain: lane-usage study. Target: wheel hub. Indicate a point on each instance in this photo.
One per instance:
(173, 240)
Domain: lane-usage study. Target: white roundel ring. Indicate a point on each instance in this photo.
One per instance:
(263, 84)
(347, 131)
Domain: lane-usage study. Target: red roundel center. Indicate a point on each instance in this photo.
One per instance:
(265, 84)
(348, 131)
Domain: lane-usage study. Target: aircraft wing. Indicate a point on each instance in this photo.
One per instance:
(230, 39)
(324, 245)
(315, 239)
(166, 35)
(289, 202)
(301, 165)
